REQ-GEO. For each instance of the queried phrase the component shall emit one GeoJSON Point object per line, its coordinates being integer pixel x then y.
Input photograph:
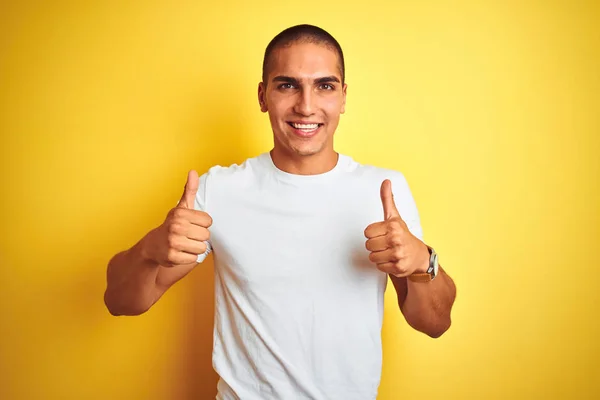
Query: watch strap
{"type": "Point", "coordinates": [421, 277]}
{"type": "Point", "coordinates": [430, 274]}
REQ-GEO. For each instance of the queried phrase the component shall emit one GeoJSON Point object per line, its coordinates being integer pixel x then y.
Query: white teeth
{"type": "Point", "coordinates": [305, 126]}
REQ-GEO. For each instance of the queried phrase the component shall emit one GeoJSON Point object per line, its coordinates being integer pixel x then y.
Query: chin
{"type": "Point", "coordinates": [306, 153]}
{"type": "Point", "coordinates": [306, 150]}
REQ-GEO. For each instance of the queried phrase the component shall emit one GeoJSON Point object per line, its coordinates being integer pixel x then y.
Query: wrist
{"type": "Point", "coordinates": [423, 260]}
{"type": "Point", "coordinates": [432, 269]}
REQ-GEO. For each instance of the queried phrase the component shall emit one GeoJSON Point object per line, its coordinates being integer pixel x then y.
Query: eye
{"type": "Point", "coordinates": [326, 86]}
{"type": "Point", "coordinates": [285, 86]}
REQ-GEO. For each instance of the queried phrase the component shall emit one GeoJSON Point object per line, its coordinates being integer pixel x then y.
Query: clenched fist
{"type": "Point", "coordinates": [393, 247]}
{"type": "Point", "coordinates": [180, 239]}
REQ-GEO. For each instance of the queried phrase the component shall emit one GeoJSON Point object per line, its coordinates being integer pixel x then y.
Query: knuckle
{"type": "Point", "coordinates": [179, 212]}
{"type": "Point", "coordinates": [174, 227]}
{"type": "Point", "coordinates": [172, 255]}
{"type": "Point", "coordinates": [173, 242]}
{"type": "Point", "coordinates": [395, 239]}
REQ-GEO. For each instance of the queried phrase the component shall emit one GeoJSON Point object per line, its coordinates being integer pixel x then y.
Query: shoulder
{"type": "Point", "coordinates": [228, 179]}
{"type": "Point", "coordinates": [375, 175]}
{"type": "Point", "coordinates": [241, 171]}
{"type": "Point", "coordinates": [368, 178]}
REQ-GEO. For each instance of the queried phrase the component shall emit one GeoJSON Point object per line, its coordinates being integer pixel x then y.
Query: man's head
{"type": "Point", "coordinates": [302, 34]}
{"type": "Point", "coordinates": [303, 89]}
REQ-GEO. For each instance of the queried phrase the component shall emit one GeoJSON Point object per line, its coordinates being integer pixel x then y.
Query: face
{"type": "Point", "coordinates": [304, 97]}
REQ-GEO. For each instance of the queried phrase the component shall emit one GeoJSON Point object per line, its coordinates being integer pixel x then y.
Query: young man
{"type": "Point", "coordinates": [304, 239]}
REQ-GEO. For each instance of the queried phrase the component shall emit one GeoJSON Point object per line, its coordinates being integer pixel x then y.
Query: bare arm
{"type": "Point", "coordinates": [135, 282]}
{"type": "Point", "coordinates": [426, 306]}
{"type": "Point", "coordinates": [138, 277]}
{"type": "Point", "coordinates": [395, 250]}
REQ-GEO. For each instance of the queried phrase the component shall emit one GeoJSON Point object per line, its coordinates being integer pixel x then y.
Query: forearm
{"type": "Point", "coordinates": [427, 305]}
{"type": "Point", "coordinates": [131, 282]}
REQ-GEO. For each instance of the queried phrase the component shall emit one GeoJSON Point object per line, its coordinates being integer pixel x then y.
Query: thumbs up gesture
{"type": "Point", "coordinates": [394, 249]}
{"type": "Point", "coordinates": [180, 238]}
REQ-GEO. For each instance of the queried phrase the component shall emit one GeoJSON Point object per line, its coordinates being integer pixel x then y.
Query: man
{"type": "Point", "coordinates": [304, 239]}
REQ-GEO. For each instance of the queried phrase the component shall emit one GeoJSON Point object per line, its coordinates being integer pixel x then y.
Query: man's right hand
{"type": "Point", "coordinates": [180, 239]}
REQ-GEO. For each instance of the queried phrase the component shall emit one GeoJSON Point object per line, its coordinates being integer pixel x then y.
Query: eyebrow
{"type": "Point", "coordinates": [327, 79]}
{"type": "Point", "coordinates": [286, 79]}
{"type": "Point", "coordinates": [294, 81]}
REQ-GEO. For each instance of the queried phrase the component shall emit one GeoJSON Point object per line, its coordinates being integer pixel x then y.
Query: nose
{"type": "Point", "coordinates": [305, 103]}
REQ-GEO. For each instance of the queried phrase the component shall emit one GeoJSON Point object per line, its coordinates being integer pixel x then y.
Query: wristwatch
{"type": "Point", "coordinates": [432, 270]}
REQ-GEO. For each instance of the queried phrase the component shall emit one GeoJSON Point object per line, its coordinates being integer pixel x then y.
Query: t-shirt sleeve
{"type": "Point", "coordinates": [200, 204]}
{"type": "Point", "coordinates": [406, 205]}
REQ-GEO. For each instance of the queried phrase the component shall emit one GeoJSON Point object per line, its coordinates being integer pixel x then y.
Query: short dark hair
{"type": "Point", "coordinates": [303, 34]}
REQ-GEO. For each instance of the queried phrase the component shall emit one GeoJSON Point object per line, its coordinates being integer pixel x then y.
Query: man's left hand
{"type": "Point", "coordinates": [393, 247]}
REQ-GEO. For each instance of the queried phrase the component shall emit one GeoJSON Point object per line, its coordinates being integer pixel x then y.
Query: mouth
{"type": "Point", "coordinates": [305, 129]}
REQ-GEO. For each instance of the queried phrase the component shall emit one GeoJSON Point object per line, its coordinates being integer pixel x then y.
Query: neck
{"type": "Point", "coordinates": [297, 164]}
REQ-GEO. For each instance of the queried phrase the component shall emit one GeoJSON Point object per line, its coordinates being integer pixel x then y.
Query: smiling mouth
{"type": "Point", "coordinates": [305, 128]}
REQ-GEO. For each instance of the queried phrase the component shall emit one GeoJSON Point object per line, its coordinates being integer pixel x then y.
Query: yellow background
{"type": "Point", "coordinates": [490, 109]}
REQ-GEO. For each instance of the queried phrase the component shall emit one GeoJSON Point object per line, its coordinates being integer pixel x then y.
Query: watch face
{"type": "Point", "coordinates": [433, 264]}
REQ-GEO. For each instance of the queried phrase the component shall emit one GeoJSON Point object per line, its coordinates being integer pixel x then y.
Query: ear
{"type": "Point", "coordinates": [262, 97]}
{"type": "Point", "coordinates": [344, 99]}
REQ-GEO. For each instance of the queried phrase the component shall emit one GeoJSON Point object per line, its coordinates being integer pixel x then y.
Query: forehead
{"type": "Point", "coordinates": [304, 60]}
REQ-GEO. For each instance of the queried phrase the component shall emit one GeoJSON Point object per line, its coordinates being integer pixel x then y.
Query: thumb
{"type": "Point", "coordinates": [189, 191]}
{"type": "Point", "coordinates": [387, 199]}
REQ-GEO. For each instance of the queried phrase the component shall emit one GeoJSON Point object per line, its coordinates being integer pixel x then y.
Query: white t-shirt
{"type": "Point", "coordinates": [298, 304]}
